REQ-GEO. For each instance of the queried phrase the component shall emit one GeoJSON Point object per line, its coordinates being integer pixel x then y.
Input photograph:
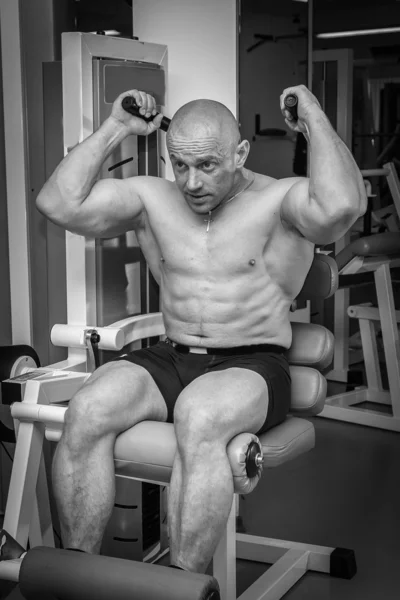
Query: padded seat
{"type": "Point", "coordinates": [147, 451]}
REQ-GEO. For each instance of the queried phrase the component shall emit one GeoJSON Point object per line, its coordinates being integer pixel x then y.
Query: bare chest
{"type": "Point", "coordinates": [240, 238]}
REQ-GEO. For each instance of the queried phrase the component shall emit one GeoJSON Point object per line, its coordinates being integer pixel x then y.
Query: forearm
{"type": "Point", "coordinates": [73, 179]}
{"type": "Point", "coordinates": [336, 183]}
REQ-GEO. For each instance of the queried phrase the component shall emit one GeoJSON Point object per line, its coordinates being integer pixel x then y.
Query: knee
{"type": "Point", "coordinates": [195, 422]}
{"type": "Point", "coordinates": [84, 419]}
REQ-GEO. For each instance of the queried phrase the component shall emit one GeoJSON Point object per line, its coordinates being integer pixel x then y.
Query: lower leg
{"type": "Point", "coordinates": [84, 489]}
{"type": "Point", "coordinates": [200, 500]}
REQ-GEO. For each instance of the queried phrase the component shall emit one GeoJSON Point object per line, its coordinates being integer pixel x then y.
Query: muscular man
{"type": "Point", "coordinates": [230, 250]}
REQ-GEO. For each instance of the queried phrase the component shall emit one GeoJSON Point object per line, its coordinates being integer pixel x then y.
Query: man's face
{"type": "Point", "coordinates": [204, 170]}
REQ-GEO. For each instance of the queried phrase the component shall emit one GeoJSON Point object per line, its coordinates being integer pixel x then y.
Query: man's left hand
{"type": "Point", "coordinates": [306, 105]}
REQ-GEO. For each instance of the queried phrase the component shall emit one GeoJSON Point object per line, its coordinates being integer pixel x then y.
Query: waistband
{"type": "Point", "coordinates": [236, 350]}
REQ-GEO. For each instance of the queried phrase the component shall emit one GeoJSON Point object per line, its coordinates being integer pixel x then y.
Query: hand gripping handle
{"type": "Point", "coordinates": [129, 104]}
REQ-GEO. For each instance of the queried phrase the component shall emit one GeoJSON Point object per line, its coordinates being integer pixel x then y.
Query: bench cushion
{"type": "Point", "coordinates": [147, 451]}
{"type": "Point", "coordinates": [287, 441]}
{"type": "Point", "coordinates": [312, 345]}
{"type": "Point", "coordinates": [308, 391]}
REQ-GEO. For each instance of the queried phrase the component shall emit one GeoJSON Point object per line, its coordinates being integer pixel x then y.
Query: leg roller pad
{"type": "Point", "coordinates": [51, 574]}
{"type": "Point", "coordinates": [343, 563]}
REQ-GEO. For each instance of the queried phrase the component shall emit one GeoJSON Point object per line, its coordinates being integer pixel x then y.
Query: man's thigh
{"type": "Point", "coordinates": [115, 397]}
{"type": "Point", "coordinates": [223, 404]}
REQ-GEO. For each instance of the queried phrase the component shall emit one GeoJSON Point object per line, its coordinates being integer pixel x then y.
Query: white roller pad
{"type": "Point", "coordinates": [236, 451]}
{"type": "Point", "coordinates": [73, 336]}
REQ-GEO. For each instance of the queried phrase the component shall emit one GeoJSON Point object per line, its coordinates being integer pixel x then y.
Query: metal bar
{"type": "Point", "coordinates": [374, 172]}
{"type": "Point", "coordinates": [342, 407]}
{"type": "Point", "coordinates": [9, 569]}
{"type": "Point", "coordinates": [390, 333]}
{"type": "Point", "coordinates": [23, 481]}
{"type": "Point", "coordinates": [394, 185]}
{"type": "Point", "coordinates": [269, 550]}
{"type": "Point", "coordinates": [344, 129]}
{"type": "Point", "coordinates": [371, 356]}
{"type": "Point", "coordinates": [39, 413]}
{"type": "Point", "coordinates": [368, 312]}
{"type": "Point", "coordinates": [41, 529]}
{"type": "Point", "coordinates": [279, 578]}
{"type": "Point", "coordinates": [224, 559]}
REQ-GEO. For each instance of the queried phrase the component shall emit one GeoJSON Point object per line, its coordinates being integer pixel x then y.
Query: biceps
{"type": "Point", "coordinates": [302, 212]}
{"type": "Point", "coordinates": [112, 208]}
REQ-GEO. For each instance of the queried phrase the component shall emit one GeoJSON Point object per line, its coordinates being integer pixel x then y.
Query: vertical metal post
{"type": "Point", "coordinates": [344, 129]}
{"type": "Point", "coordinates": [390, 333]}
{"type": "Point", "coordinates": [344, 60]}
{"type": "Point", "coordinates": [224, 560]}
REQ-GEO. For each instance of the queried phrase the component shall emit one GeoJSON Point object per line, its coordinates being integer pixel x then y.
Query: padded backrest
{"type": "Point", "coordinates": [322, 279]}
{"type": "Point", "coordinates": [312, 346]}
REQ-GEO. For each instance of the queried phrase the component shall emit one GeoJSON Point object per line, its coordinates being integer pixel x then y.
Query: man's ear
{"type": "Point", "coordinates": [242, 152]}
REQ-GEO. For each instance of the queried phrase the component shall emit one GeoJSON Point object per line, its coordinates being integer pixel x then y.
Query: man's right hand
{"type": "Point", "coordinates": [135, 125]}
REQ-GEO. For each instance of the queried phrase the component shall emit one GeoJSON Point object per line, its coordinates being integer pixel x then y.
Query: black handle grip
{"type": "Point", "coordinates": [129, 104]}
{"type": "Point", "coordinates": [291, 102]}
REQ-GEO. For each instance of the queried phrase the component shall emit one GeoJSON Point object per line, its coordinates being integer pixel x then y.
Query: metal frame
{"type": "Point", "coordinates": [344, 407]}
{"type": "Point", "coordinates": [78, 51]}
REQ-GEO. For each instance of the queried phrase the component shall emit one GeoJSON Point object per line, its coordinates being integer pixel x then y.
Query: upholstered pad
{"type": "Point", "coordinates": [308, 391]}
{"type": "Point", "coordinates": [322, 278]}
{"type": "Point", "coordinates": [147, 450]}
{"type": "Point", "coordinates": [379, 244]}
{"type": "Point", "coordinates": [287, 441]}
{"type": "Point", "coordinates": [312, 345]}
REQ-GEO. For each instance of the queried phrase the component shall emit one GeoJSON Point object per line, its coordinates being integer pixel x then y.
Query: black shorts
{"type": "Point", "coordinates": [173, 368]}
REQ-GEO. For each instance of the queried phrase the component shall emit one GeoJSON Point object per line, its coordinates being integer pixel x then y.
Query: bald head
{"type": "Point", "coordinates": [206, 153]}
{"type": "Point", "coordinates": [204, 119]}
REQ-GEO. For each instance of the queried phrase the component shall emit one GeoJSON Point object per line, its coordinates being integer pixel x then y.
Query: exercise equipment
{"type": "Point", "coordinates": [14, 362]}
{"type": "Point", "coordinates": [146, 451]}
{"type": "Point", "coordinates": [53, 574]}
{"type": "Point", "coordinates": [129, 104]}
{"type": "Point", "coordinates": [372, 256]}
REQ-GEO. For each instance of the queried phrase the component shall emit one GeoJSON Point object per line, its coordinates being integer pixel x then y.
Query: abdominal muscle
{"type": "Point", "coordinates": [225, 313]}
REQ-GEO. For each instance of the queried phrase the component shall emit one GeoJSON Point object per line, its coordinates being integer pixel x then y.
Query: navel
{"type": "Point", "coordinates": [252, 262]}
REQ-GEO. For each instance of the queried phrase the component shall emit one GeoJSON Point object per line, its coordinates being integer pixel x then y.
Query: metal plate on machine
{"type": "Point", "coordinates": [147, 78]}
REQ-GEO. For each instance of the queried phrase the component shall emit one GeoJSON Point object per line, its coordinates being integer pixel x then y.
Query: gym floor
{"type": "Point", "coordinates": [344, 493]}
